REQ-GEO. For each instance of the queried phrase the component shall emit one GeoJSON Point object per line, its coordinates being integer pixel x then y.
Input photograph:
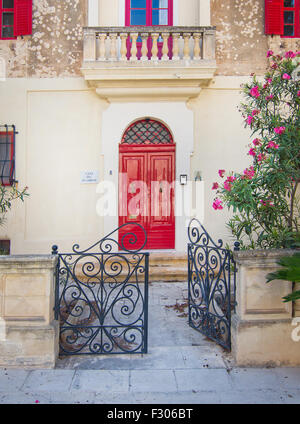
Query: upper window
{"type": "Point", "coordinates": [149, 12]}
{"type": "Point", "coordinates": [283, 17]}
{"type": "Point", "coordinates": [15, 18]}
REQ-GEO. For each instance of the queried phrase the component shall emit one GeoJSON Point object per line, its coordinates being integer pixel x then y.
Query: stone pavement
{"type": "Point", "coordinates": [182, 367]}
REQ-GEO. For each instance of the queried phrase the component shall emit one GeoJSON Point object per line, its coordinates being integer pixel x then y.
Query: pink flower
{"type": "Point", "coordinates": [267, 203]}
{"type": "Point", "coordinates": [256, 142]}
{"type": "Point", "coordinates": [298, 94]}
{"type": "Point", "coordinates": [249, 172]}
{"type": "Point", "coordinates": [260, 157]}
{"type": "Point", "coordinates": [227, 186]}
{"type": "Point", "coordinates": [249, 120]}
{"type": "Point", "coordinates": [269, 80]}
{"type": "Point", "coordinates": [252, 152]}
{"type": "Point", "coordinates": [217, 204]}
{"type": "Point", "coordinates": [290, 54]}
{"type": "Point", "coordinates": [231, 179]}
{"type": "Point", "coordinates": [270, 53]}
{"type": "Point", "coordinates": [254, 92]}
{"type": "Point", "coordinates": [279, 130]}
{"type": "Point", "coordinates": [222, 172]}
{"type": "Point", "coordinates": [215, 186]}
{"type": "Point", "coordinates": [255, 112]}
{"type": "Point", "coordinates": [286, 76]}
{"type": "Point", "coordinates": [270, 97]}
{"type": "Point", "coordinates": [272, 145]}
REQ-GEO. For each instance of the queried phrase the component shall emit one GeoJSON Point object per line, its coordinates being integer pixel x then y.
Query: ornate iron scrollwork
{"type": "Point", "coordinates": [147, 131]}
{"type": "Point", "coordinates": [211, 286]}
{"type": "Point", "coordinates": [102, 295]}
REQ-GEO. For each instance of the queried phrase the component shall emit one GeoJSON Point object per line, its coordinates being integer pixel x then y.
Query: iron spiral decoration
{"type": "Point", "coordinates": [211, 285]}
{"type": "Point", "coordinates": [101, 296]}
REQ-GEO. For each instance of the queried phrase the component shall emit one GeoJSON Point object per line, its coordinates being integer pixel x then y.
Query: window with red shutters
{"type": "Point", "coordinates": [148, 12]}
{"type": "Point", "coordinates": [282, 17]}
{"type": "Point", "coordinates": [15, 18]}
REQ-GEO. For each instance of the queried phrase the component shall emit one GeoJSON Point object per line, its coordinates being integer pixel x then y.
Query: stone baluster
{"type": "Point", "coordinates": [165, 48]}
{"type": "Point", "coordinates": [175, 37]}
{"type": "Point", "coordinates": [113, 46]}
{"type": "Point", "coordinates": [102, 38]}
{"type": "Point", "coordinates": [186, 48]}
{"type": "Point", "coordinates": [197, 49]}
{"type": "Point", "coordinates": [209, 46]}
{"type": "Point", "coordinates": [144, 46]}
{"type": "Point", "coordinates": [123, 49]}
{"type": "Point", "coordinates": [89, 48]}
{"type": "Point", "coordinates": [134, 37]}
{"type": "Point", "coordinates": [154, 50]}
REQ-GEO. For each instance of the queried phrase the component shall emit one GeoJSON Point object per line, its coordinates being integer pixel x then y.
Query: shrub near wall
{"type": "Point", "coordinates": [264, 199]}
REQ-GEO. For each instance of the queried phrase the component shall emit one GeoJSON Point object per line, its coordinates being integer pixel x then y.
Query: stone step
{"type": "Point", "coordinates": [168, 267]}
{"type": "Point", "coordinates": [160, 274]}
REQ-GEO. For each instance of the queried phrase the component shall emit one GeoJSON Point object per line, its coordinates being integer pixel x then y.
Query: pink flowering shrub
{"type": "Point", "coordinates": [264, 197]}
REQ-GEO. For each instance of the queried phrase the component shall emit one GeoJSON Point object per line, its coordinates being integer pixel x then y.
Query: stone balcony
{"type": "Point", "coordinates": [160, 61]}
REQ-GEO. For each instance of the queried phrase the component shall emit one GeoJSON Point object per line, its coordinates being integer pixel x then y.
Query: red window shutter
{"type": "Point", "coordinates": [274, 17]}
{"type": "Point", "coordinates": [23, 17]}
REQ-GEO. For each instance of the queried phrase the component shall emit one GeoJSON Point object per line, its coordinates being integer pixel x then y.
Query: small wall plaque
{"type": "Point", "coordinates": [89, 177]}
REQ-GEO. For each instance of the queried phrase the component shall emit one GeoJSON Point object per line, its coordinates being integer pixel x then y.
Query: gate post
{"type": "Point", "coordinates": [262, 327]}
{"type": "Point", "coordinates": [29, 333]}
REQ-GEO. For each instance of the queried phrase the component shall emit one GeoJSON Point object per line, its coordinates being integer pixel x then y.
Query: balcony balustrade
{"type": "Point", "coordinates": [149, 44]}
{"type": "Point", "coordinates": [137, 57]}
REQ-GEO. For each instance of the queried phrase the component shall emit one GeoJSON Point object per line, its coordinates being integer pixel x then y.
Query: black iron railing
{"type": "Point", "coordinates": [102, 295]}
{"type": "Point", "coordinates": [211, 285]}
{"type": "Point", "coordinates": [7, 154]}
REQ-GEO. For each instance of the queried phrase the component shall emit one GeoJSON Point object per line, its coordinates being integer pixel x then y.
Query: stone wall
{"type": "Point", "coordinates": [28, 330]}
{"type": "Point", "coordinates": [265, 330]}
{"type": "Point", "coordinates": [55, 48]}
{"type": "Point", "coordinates": [241, 45]}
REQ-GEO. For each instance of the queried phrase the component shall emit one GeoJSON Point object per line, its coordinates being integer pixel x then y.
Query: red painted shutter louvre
{"type": "Point", "coordinates": [23, 17]}
{"type": "Point", "coordinates": [274, 17]}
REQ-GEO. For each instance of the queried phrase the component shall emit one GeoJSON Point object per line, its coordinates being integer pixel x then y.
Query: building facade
{"type": "Point", "coordinates": [117, 102]}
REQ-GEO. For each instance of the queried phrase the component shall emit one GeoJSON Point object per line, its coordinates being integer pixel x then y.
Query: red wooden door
{"type": "Point", "coordinates": [147, 183]}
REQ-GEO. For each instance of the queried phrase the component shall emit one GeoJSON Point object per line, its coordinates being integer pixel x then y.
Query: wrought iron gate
{"type": "Point", "coordinates": [102, 295]}
{"type": "Point", "coordinates": [211, 285]}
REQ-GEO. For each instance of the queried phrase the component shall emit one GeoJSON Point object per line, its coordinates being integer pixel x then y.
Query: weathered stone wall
{"type": "Point", "coordinates": [241, 45]}
{"type": "Point", "coordinates": [55, 48]}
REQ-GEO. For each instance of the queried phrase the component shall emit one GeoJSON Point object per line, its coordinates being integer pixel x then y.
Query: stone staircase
{"type": "Point", "coordinates": [168, 267]}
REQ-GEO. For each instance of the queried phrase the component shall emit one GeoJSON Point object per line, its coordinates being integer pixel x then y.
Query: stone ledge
{"type": "Point", "coordinates": [259, 257]}
{"type": "Point", "coordinates": [28, 261]}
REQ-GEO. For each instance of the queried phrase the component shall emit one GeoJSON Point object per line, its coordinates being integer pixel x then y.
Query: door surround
{"type": "Point", "coordinates": [147, 180]}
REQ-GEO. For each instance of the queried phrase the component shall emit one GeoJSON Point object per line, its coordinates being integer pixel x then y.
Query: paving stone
{"type": "Point", "coordinates": [289, 377]}
{"type": "Point", "coordinates": [12, 380]}
{"type": "Point", "coordinates": [159, 398]}
{"type": "Point", "coordinates": [291, 396]}
{"type": "Point", "coordinates": [251, 397]}
{"type": "Point", "coordinates": [49, 381]}
{"type": "Point", "coordinates": [101, 381]}
{"type": "Point", "coordinates": [202, 380]}
{"type": "Point", "coordinates": [149, 381]}
{"type": "Point", "coordinates": [202, 357]}
{"type": "Point", "coordinates": [254, 378]}
{"type": "Point", "coordinates": [47, 398]}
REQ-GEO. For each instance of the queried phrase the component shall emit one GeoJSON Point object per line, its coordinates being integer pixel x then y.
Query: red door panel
{"type": "Point", "coordinates": [161, 228]}
{"type": "Point", "coordinates": [133, 196]}
{"type": "Point", "coordinates": [146, 192]}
